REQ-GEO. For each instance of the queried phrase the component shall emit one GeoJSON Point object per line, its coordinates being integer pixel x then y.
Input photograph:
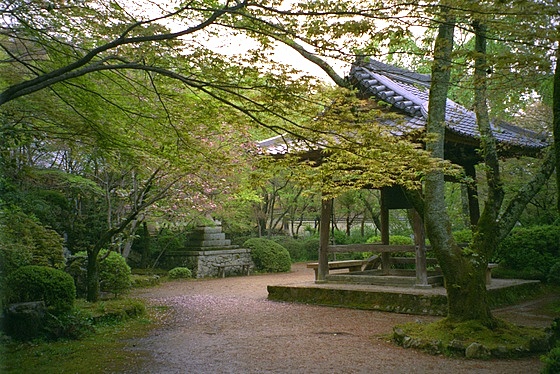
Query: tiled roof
{"type": "Point", "coordinates": [408, 92]}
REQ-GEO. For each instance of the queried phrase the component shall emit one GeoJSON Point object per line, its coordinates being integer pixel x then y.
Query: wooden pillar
{"type": "Point", "coordinates": [420, 243]}
{"type": "Point", "coordinates": [324, 240]}
{"type": "Point", "coordinates": [474, 208]}
{"type": "Point", "coordinates": [384, 218]}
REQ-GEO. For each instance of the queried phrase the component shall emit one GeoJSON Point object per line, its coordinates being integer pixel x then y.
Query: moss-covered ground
{"type": "Point", "coordinates": [472, 339]}
{"type": "Point", "coordinates": [102, 350]}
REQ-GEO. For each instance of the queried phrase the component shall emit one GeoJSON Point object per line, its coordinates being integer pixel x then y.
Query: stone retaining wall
{"type": "Point", "coordinates": [205, 263]}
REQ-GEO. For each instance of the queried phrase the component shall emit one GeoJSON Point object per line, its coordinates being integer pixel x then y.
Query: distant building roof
{"type": "Point", "coordinates": [407, 92]}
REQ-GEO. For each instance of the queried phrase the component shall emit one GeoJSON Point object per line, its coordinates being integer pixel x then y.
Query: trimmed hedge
{"type": "Point", "coordinates": [529, 252]}
{"type": "Point", "coordinates": [40, 283]}
{"type": "Point", "coordinates": [180, 272]}
{"type": "Point", "coordinates": [268, 255]}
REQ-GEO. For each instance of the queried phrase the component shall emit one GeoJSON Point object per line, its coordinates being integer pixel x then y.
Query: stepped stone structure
{"type": "Point", "coordinates": [208, 253]}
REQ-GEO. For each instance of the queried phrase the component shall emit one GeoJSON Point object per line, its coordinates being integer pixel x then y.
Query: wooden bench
{"type": "Point", "coordinates": [222, 269]}
{"type": "Point", "coordinates": [351, 265]}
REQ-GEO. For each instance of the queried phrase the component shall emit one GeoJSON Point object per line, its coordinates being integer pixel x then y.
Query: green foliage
{"type": "Point", "coordinates": [75, 324]}
{"type": "Point", "coordinates": [393, 240]}
{"type": "Point", "coordinates": [144, 280]}
{"type": "Point", "coordinates": [114, 273]}
{"type": "Point", "coordinates": [24, 241]}
{"type": "Point", "coordinates": [530, 252]}
{"type": "Point", "coordinates": [268, 256]}
{"type": "Point", "coordinates": [551, 361]}
{"type": "Point", "coordinates": [463, 236]}
{"type": "Point", "coordinates": [180, 272]}
{"type": "Point", "coordinates": [113, 311]}
{"type": "Point", "coordinates": [453, 338]}
{"type": "Point", "coordinates": [34, 283]}
{"type": "Point", "coordinates": [554, 274]}
{"type": "Point", "coordinates": [311, 247]}
{"type": "Point", "coordinates": [294, 246]}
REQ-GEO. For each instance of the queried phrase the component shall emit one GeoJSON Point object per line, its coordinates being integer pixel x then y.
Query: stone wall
{"type": "Point", "coordinates": [205, 263]}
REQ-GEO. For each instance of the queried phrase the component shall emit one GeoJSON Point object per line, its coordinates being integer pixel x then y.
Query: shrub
{"type": "Point", "coordinates": [74, 324]}
{"type": "Point", "coordinates": [180, 272]}
{"type": "Point", "coordinates": [311, 248]}
{"type": "Point", "coordinates": [554, 274]}
{"type": "Point", "coordinates": [24, 241]}
{"type": "Point", "coordinates": [143, 281]}
{"type": "Point", "coordinates": [530, 251]}
{"type": "Point", "coordinates": [393, 240]}
{"type": "Point", "coordinates": [114, 273]}
{"type": "Point", "coordinates": [463, 236]}
{"type": "Point", "coordinates": [34, 283]}
{"type": "Point", "coordinates": [268, 256]}
{"type": "Point", "coordinates": [551, 361]}
{"type": "Point", "coordinates": [294, 246]}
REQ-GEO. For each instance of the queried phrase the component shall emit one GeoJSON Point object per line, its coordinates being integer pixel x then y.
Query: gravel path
{"type": "Point", "coordinates": [229, 326]}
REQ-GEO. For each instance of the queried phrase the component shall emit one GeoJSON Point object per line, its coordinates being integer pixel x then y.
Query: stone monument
{"type": "Point", "coordinates": [208, 253]}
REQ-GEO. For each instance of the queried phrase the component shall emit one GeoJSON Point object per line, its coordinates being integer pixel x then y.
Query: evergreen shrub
{"type": "Point", "coordinates": [551, 361]}
{"type": "Point", "coordinates": [393, 240]}
{"type": "Point", "coordinates": [40, 283]}
{"type": "Point", "coordinates": [24, 241]}
{"type": "Point", "coordinates": [294, 246]}
{"type": "Point", "coordinates": [268, 255]}
{"type": "Point", "coordinates": [463, 236]}
{"type": "Point", "coordinates": [529, 252]}
{"type": "Point", "coordinates": [310, 246]}
{"type": "Point", "coordinates": [179, 272]}
{"type": "Point", "coordinates": [114, 273]}
{"type": "Point", "coordinates": [554, 274]}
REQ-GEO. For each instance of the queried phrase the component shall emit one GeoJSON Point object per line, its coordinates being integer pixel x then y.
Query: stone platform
{"type": "Point", "coordinates": [410, 300]}
{"type": "Point", "coordinates": [208, 253]}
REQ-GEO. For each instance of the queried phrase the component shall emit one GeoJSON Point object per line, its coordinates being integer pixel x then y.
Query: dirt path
{"type": "Point", "coordinates": [229, 326]}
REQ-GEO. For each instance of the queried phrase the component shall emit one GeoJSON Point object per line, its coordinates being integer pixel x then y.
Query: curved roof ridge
{"type": "Point", "coordinates": [397, 73]}
{"type": "Point", "coordinates": [409, 92]}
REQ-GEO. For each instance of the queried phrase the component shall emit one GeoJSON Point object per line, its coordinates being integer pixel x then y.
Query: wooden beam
{"type": "Point", "coordinates": [384, 216]}
{"type": "Point", "coordinates": [420, 242]}
{"type": "Point", "coordinates": [324, 239]}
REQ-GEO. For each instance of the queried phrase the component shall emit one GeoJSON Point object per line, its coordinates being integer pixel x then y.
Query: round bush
{"type": "Point", "coordinates": [294, 247]}
{"type": "Point", "coordinates": [40, 283]}
{"type": "Point", "coordinates": [180, 272]}
{"type": "Point", "coordinates": [114, 273]}
{"type": "Point", "coordinates": [268, 256]}
{"type": "Point", "coordinates": [311, 248]}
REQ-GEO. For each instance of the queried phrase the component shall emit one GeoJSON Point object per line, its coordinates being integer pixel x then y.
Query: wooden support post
{"type": "Point", "coordinates": [324, 240]}
{"type": "Point", "coordinates": [474, 208]}
{"type": "Point", "coordinates": [420, 243]}
{"type": "Point", "coordinates": [384, 218]}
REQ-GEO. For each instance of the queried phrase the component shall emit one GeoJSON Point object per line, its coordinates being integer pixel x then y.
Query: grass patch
{"type": "Point", "coordinates": [472, 339]}
{"type": "Point", "coordinates": [104, 350]}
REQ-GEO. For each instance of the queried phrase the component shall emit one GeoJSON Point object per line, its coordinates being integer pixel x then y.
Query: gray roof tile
{"type": "Point", "coordinates": [408, 91]}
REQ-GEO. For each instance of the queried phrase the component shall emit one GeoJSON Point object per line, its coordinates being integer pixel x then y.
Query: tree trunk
{"type": "Point", "coordinates": [92, 275]}
{"type": "Point", "coordinates": [464, 279]}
